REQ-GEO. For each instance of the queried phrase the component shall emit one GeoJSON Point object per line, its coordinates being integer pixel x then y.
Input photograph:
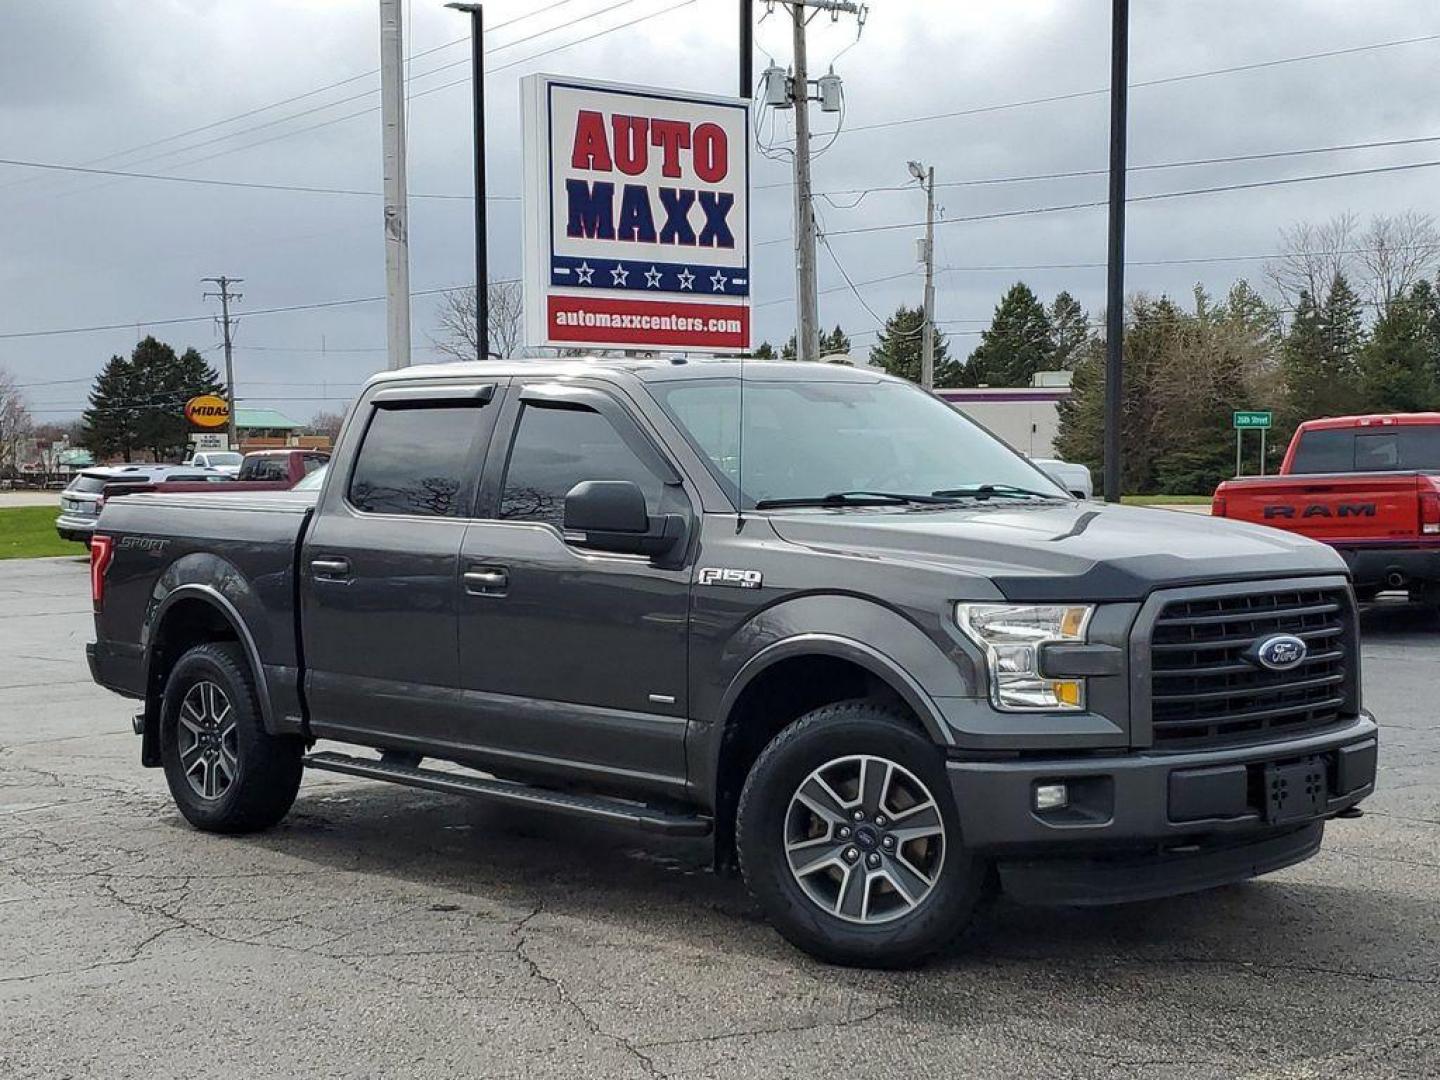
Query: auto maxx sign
{"type": "Point", "coordinates": [637, 217]}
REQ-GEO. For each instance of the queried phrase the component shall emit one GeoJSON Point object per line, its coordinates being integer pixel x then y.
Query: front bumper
{"type": "Point", "coordinates": [1130, 816]}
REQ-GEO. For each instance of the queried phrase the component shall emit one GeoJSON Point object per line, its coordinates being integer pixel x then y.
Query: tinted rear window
{"type": "Point", "coordinates": [87, 484]}
{"type": "Point", "coordinates": [416, 461]}
{"type": "Point", "coordinates": [1408, 448]}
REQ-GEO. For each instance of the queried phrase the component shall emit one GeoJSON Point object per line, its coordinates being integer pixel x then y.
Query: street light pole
{"type": "Point", "coordinates": [926, 176]}
{"type": "Point", "coordinates": [1115, 288]}
{"type": "Point", "coordinates": [477, 86]}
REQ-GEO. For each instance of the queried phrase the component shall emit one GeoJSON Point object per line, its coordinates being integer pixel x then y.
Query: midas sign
{"type": "Point", "coordinates": [208, 411]}
{"type": "Point", "coordinates": [636, 217]}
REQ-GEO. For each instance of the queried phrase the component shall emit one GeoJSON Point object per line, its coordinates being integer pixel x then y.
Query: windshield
{"type": "Point", "coordinates": [313, 480]}
{"type": "Point", "coordinates": [220, 459]}
{"type": "Point", "coordinates": [806, 440]}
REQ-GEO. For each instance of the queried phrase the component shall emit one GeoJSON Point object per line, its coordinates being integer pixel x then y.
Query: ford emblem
{"type": "Point", "coordinates": [1281, 652]}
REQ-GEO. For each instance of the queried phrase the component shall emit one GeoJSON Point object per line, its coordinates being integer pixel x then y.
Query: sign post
{"type": "Point", "coordinates": [637, 218]}
{"type": "Point", "coordinates": [1247, 420]}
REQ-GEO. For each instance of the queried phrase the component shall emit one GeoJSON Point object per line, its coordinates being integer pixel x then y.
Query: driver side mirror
{"type": "Point", "coordinates": [611, 515]}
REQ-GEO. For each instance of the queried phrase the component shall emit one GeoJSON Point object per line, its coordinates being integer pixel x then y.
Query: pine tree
{"type": "Point", "coordinates": [1017, 344]}
{"type": "Point", "coordinates": [163, 383]}
{"type": "Point", "coordinates": [898, 350]}
{"type": "Point", "coordinates": [1069, 332]}
{"type": "Point", "coordinates": [837, 342]}
{"type": "Point", "coordinates": [110, 419]}
{"type": "Point", "coordinates": [1398, 363]}
{"type": "Point", "coordinates": [1344, 333]}
{"type": "Point", "coordinates": [765, 351]}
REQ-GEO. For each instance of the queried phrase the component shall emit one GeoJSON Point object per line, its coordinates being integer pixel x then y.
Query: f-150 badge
{"type": "Point", "coordinates": [735, 579]}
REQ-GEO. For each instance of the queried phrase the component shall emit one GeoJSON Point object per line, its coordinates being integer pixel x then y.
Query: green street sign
{"type": "Point", "coordinates": [1252, 420]}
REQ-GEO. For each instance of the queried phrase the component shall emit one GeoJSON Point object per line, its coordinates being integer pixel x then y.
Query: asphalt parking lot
{"type": "Point", "coordinates": [382, 931]}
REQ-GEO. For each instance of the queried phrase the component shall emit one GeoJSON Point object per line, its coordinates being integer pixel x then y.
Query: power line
{"type": "Point", "coordinates": [1033, 210]}
{"type": "Point", "coordinates": [423, 93]}
{"type": "Point", "coordinates": [367, 93]}
{"type": "Point", "coordinates": [306, 189]}
{"type": "Point", "coordinates": [1073, 173]}
{"type": "Point", "coordinates": [1165, 80]}
{"type": "Point", "coordinates": [308, 93]}
{"type": "Point", "coordinates": [129, 323]}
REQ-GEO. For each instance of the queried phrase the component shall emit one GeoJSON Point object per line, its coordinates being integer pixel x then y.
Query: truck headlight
{"type": "Point", "coordinates": [1011, 636]}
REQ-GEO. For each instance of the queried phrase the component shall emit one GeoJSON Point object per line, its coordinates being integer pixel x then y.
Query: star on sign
{"type": "Point", "coordinates": [584, 272]}
{"type": "Point", "coordinates": [687, 279]}
{"type": "Point", "coordinates": [619, 274]}
{"type": "Point", "coordinates": [717, 282]}
{"type": "Point", "coordinates": [652, 278]}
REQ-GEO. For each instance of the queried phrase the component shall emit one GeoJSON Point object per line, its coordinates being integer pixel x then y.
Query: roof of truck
{"type": "Point", "coordinates": [648, 370]}
{"type": "Point", "coordinates": [1371, 420]}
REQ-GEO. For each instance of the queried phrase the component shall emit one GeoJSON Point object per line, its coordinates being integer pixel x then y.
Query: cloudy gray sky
{"type": "Point", "coordinates": [112, 83]}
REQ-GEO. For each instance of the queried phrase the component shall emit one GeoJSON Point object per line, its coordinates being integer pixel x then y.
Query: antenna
{"type": "Point", "coordinates": [740, 455]}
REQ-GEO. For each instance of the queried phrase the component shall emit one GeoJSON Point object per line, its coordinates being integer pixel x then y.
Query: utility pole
{"type": "Point", "coordinates": [807, 335]}
{"type": "Point", "coordinates": [797, 96]}
{"type": "Point", "coordinates": [477, 84]}
{"type": "Point", "coordinates": [927, 334]}
{"type": "Point", "coordinates": [1115, 286]}
{"type": "Point", "coordinates": [397, 236]}
{"type": "Point", "coordinates": [224, 295]}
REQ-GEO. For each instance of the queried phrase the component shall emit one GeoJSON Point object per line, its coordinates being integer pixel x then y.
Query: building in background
{"type": "Point", "coordinates": [270, 429]}
{"type": "Point", "coordinates": [1026, 417]}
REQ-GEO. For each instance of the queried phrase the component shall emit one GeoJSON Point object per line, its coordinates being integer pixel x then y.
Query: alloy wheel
{"type": "Point", "coordinates": [209, 753]}
{"type": "Point", "coordinates": [864, 839]}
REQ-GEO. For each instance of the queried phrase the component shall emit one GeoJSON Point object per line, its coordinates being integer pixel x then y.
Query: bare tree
{"type": "Point", "coordinates": [15, 423]}
{"type": "Point", "coordinates": [1312, 255]}
{"type": "Point", "coordinates": [456, 332]}
{"type": "Point", "coordinates": [325, 422]}
{"type": "Point", "coordinates": [1397, 251]}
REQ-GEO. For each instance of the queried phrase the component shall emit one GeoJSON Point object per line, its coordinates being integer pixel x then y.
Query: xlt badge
{"type": "Point", "coordinates": [735, 579]}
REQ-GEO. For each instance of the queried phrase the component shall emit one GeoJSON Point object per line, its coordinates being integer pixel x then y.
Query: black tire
{"type": "Point", "coordinates": [266, 769]}
{"type": "Point", "coordinates": [819, 737]}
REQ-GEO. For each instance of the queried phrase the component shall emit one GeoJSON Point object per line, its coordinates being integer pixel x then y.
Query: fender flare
{"type": "Point", "coordinates": [879, 664]}
{"type": "Point", "coordinates": [220, 602]}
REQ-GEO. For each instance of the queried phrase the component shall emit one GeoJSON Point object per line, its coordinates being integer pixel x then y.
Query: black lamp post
{"type": "Point", "coordinates": [477, 80]}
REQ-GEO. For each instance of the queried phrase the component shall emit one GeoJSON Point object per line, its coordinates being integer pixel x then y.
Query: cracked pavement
{"type": "Point", "coordinates": [382, 931]}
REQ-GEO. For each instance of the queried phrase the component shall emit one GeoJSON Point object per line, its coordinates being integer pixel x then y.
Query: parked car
{"type": "Point", "coordinates": [83, 498]}
{"type": "Point", "coordinates": [867, 649]}
{"type": "Point", "coordinates": [1369, 486]}
{"type": "Point", "coordinates": [281, 467]}
{"type": "Point", "coordinates": [1072, 477]}
{"type": "Point", "coordinates": [225, 461]}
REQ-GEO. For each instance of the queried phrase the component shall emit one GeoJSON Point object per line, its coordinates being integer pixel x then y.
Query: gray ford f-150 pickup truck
{"type": "Point", "coordinates": [881, 660]}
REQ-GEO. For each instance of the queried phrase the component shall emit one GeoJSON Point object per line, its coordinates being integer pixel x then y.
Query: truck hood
{"type": "Point", "coordinates": [1074, 551]}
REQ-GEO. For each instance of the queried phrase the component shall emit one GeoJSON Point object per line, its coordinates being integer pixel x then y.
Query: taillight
{"type": "Point", "coordinates": [101, 549]}
{"type": "Point", "coordinates": [1430, 512]}
{"type": "Point", "coordinates": [1217, 506]}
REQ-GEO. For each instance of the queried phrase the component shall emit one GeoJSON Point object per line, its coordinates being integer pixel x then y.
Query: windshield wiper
{"type": "Point", "coordinates": [850, 498]}
{"type": "Point", "coordinates": [985, 491]}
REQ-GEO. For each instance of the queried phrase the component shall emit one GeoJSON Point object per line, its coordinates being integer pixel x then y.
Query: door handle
{"type": "Point", "coordinates": [330, 567]}
{"type": "Point", "coordinates": [486, 580]}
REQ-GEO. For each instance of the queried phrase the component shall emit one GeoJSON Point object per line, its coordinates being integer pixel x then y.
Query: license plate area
{"type": "Point", "coordinates": [1296, 790]}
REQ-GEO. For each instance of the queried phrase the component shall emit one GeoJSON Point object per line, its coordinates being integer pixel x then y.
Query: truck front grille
{"type": "Point", "coordinates": [1204, 690]}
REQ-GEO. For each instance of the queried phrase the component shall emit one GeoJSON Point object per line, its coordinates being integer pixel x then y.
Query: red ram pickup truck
{"type": "Point", "coordinates": [1369, 486]}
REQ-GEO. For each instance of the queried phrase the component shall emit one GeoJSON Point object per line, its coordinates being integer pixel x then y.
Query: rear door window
{"type": "Point", "coordinates": [420, 460]}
